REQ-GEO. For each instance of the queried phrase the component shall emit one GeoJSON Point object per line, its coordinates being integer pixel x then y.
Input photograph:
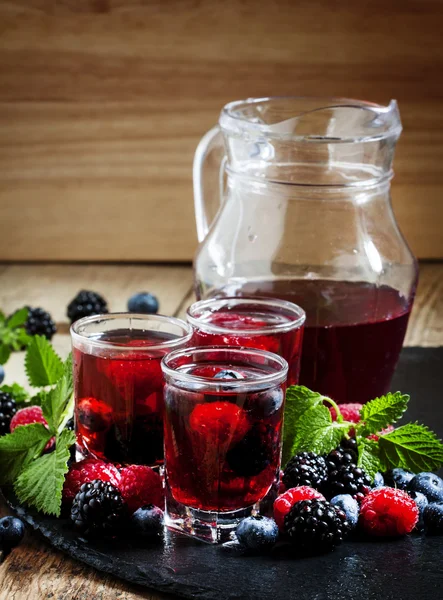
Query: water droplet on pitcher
{"type": "Point", "coordinates": [252, 237]}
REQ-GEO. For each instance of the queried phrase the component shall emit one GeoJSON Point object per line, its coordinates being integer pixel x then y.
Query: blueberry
{"type": "Point", "coordinates": [257, 533]}
{"type": "Point", "coordinates": [2, 373]}
{"type": "Point", "coordinates": [422, 502]}
{"type": "Point", "coordinates": [378, 481]}
{"type": "Point", "coordinates": [265, 404]}
{"type": "Point", "coordinates": [12, 531]}
{"type": "Point", "coordinates": [349, 506]}
{"type": "Point", "coordinates": [147, 521]}
{"type": "Point", "coordinates": [225, 374]}
{"type": "Point", "coordinates": [143, 302]}
{"type": "Point", "coordinates": [428, 484]}
{"type": "Point", "coordinates": [398, 478]}
{"type": "Point", "coordinates": [433, 519]}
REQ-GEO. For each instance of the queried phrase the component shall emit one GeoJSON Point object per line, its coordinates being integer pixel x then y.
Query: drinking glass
{"type": "Point", "coordinates": [266, 324]}
{"type": "Point", "coordinates": [118, 384]}
{"type": "Point", "coordinates": [223, 423]}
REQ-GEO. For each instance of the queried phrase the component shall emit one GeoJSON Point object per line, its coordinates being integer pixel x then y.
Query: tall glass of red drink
{"type": "Point", "coordinates": [118, 384]}
{"type": "Point", "coordinates": [223, 423]}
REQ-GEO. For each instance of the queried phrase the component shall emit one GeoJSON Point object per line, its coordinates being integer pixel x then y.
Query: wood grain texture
{"type": "Point", "coordinates": [34, 571]}
{"type": "Point", "coordinates": [102, 103]}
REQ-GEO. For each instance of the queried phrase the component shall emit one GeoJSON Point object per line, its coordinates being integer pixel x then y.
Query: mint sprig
{"type": "Point", "coordinates": [13, 334]}
{"type": "Point", "coordinates": [43, 365]}
{"type": "Point", "coordinates": [41, 482]}
{"type": "Point", "coordinates": [19, 448]}
{"type": "Point", "coordinates": [309, 427]}
{"type": "Point", "coordinates": [413, 447]}
{"type": "Point", "coordinates": [381, 412]}
{"type": "Point", "coordinates": [38, 477]}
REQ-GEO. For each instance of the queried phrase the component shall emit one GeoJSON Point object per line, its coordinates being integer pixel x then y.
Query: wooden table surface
{"type": "Point", "coordinates": [34, 570]}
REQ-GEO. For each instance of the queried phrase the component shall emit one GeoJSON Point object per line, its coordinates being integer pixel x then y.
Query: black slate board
{"type": "Point", "coordinates": [406, 569]}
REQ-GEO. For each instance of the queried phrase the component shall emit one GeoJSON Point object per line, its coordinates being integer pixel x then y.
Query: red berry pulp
{"type": "Point", "coordinates": [353, 334]}
{"type": "Point", "coordinates": [119, 400]}
{"type": "Point", "coordinates": [239, 320]}
{"type": "Point", "coordinates": [222, 447]}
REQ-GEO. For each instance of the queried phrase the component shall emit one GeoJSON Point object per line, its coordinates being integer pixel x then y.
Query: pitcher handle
{"type": "Point", "coordinates": [208, 198]}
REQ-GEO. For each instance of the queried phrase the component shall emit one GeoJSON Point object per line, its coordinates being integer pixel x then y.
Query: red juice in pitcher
{"type": "Point", "coordinates": [353, 334]}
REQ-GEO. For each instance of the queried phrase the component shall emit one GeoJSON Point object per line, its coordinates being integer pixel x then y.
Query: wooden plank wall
{"type": "Point", "coordinates": [102, 103]}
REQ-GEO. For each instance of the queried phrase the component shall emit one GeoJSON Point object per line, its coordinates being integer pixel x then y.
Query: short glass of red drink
{"type": "Point", "coordinates": [263, 323]}
{"type": "Point", "coordinates": [118, 384]}
{"type": "Point", "coordinates": [223, 424]}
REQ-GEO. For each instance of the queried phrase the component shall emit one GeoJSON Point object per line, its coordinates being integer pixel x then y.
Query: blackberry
{"type": "Point", "coordinates": [340, 456]}
{"type": "Point", "coordinates": [316, 526]}
{"type": "Point", "coordinates": [70, 424]}
{"type": "Point", "coordinates": [85, 304]}
{"type": "Point", "coordinates": [305, 468]}
{"type": "Point", "coordinates": [345, 454]}
{"type": "Point", "coordinates": [98, 509]}
{"type": "Point", "coordinates": [8, 408]}
{"type": "Point", "coordinates": [347, 479]}
{"type": "Point", "coordinates": [39, 322]}
{"type": "Point", "coordinates": [256, 451]}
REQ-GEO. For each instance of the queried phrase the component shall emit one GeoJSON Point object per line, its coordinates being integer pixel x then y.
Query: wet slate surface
{"type": "Point", "coordinates": [405, 569]}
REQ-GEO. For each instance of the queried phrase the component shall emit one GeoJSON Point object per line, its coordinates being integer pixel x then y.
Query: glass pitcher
{"type": "Point", "coordinates": [292, 200]}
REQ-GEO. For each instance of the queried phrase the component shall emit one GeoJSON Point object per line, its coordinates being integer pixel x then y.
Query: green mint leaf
{"type": "Point", "coordinates": [19, 448]}
{"type": "Point", "coordinates": [40, 484]}
{"type": "Point", "coordinates": [22, 339]}
{"type": "Point", "coordinates": [39, 398]}
{"type": "Point", "coordinates": [298, 400]}
{"type": "Point", "coordinates": [18, 392]}
{"type": "Point", "coordinates": [5, 353]}
{"type": "Point", "coordinates": [413, 447]}
{"type": "Point", "coordinates": [316, 432]}
{"type": "Point", "coordinates": [368, 457]}
{"type": "Point", "coordinates": [2, 317]}
{"type": "Point", "coordinates": [17, 319]}
{"type": "Point", "coordinates": [42, 364]}
{"type": "Point", "coordinates": [381, 412]}
{"type": "Point", "coordinates": [58, 400]}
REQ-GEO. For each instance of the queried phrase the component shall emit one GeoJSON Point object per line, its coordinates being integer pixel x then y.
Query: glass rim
{"type": "Point", "coordinates": [231, 118]}
{"type": "Point", "coordinates": [229, 384]}
{"type": "Point", "coordinates": [293, 308]}
{"type": "Point", "coordinates": [96, 343]}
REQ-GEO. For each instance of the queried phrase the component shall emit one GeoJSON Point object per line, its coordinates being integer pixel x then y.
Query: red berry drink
{"type": "Point", "coordinates": [119, 384]}
{"type": "Point", "coordinates": [223, 424]}
{"type": "Point", "coordinates": [353, 334]}
{"type": "Point", "coordinates": [271, 325]}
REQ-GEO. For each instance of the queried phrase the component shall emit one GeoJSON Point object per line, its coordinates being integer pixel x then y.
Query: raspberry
{"type": "Point", "coordinates": [388, 512]}
{"type": "Point", "coordinates": [350, 412]}
{"type": "Point", "coordinates": [286, 501]}
{"type": "Point", "coordinates": [28, 415]}
{"type": "Point", "coordinates": [140, 485]}
{"type": "Point", "coordinates": [221, 421]}
{"type": "Point", "coordinates": [85, 471]}
{"type": "Point", "coordinates": [376, 436]}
